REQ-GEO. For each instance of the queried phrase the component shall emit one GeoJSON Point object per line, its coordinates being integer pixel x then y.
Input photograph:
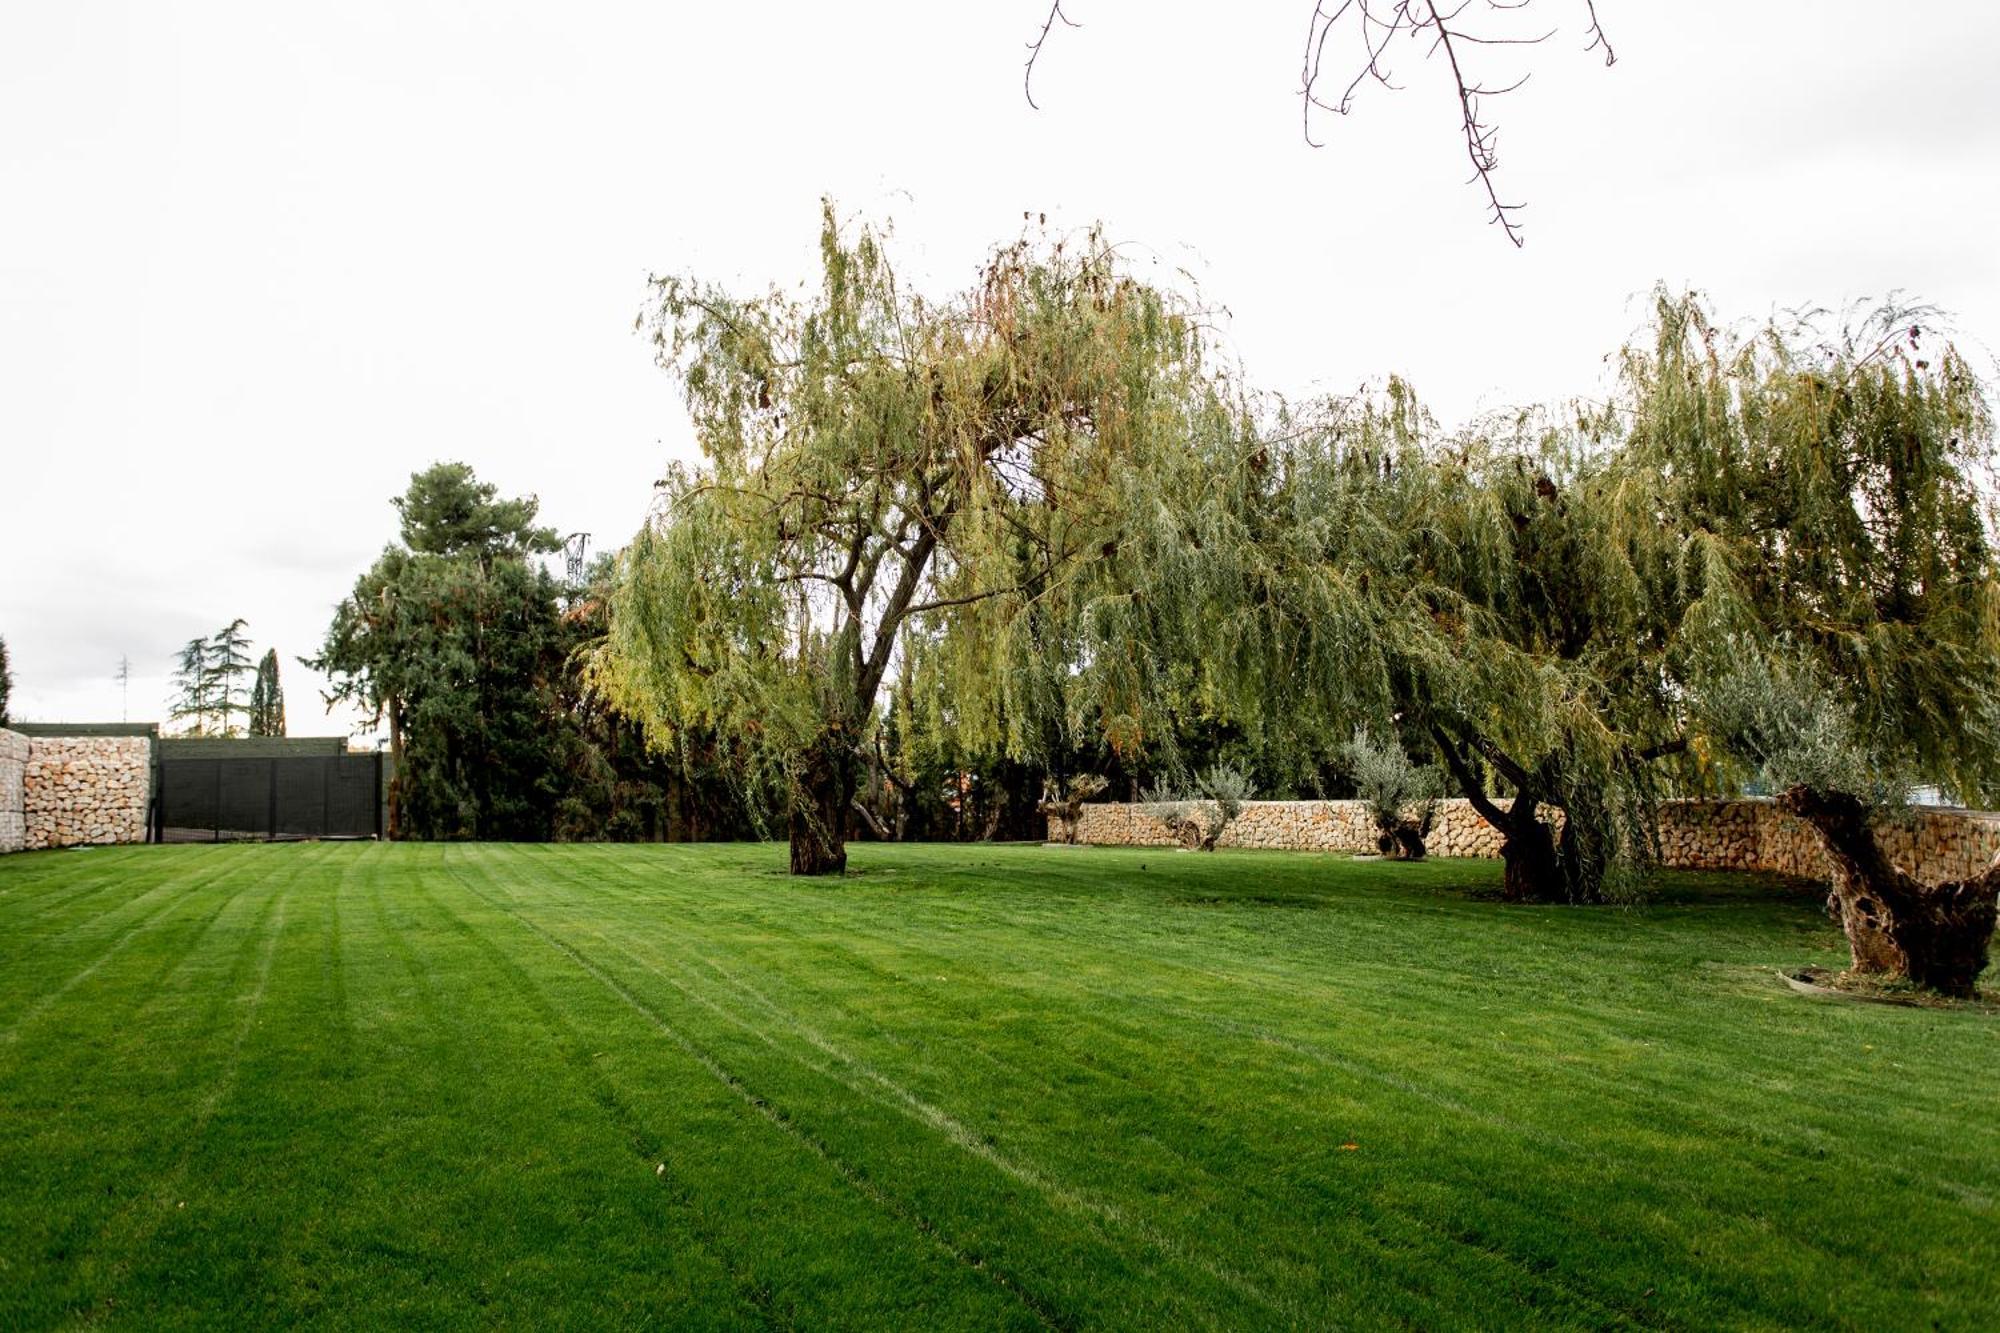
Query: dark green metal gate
{"type": "Point", "coordinates": [267, 798]}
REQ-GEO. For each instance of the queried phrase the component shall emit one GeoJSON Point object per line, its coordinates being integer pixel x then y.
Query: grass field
{"type": "Point", "coordinates": [966, 1087]}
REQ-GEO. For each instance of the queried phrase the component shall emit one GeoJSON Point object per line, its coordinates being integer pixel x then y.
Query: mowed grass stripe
{"type": "Point", "coordinates": [907, 1113]}
{"type": "Point", "coordinates": [963, 1087]}
{"type": "Point", "coordinates": [120, 1103]}
{"type": "Point", "coordinates": [759, 1132]}
{"type": "Point", "coordinates": [1550, 1287]}
{"type": "Point", "coordinates": [175, 918]}
{"type": "Point", "coordinates": [1674, 1153]}
{"type": "Point", "coordinates": [454, 1145]}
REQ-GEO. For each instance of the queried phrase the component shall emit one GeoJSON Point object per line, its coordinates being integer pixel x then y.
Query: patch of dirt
{"type": "Point", "coordinates": [1250, 900]}
{"type": "Point", "coordinates": [1824, 984]}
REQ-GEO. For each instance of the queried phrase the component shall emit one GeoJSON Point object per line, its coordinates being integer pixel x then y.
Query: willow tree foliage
{"type": "Point", "coordinates": [1502, 594]}
{"type": "Point", "coordinates": [879, 467]}
{"type": "Point", "coordinates": [1846, 642]}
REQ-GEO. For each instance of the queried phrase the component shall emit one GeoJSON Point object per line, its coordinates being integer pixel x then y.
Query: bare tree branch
{"type": "Point", "coordinates": [1035, 49]}
{"type": "Point", "coordinates": [1455, 31]}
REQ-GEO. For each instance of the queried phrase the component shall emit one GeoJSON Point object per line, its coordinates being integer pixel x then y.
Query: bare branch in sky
{"type": "Point", "coordinates": [1462, 34]}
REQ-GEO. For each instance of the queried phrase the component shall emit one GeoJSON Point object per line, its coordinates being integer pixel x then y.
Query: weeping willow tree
{"type": "Point", "coordinates": [1847, 635]}
{"type": "Point", "coordinates": [1503, 594]}
{"type": "Point", "coordinates": [875, 463]}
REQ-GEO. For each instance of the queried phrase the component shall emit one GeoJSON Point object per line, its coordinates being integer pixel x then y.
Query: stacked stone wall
{"type": "Point", "coordinates": [85, 790]}
{"type": "Point", "coordinates": [13, 807]}
{"type": "Point", "coordinates": [1694, 835]}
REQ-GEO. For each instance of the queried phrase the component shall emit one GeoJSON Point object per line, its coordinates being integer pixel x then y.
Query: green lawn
{"type": "Point", "coordinates": [964, 1087]}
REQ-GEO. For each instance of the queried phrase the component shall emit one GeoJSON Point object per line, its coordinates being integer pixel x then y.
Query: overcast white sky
{"type": "Point", "coordinates": [260, 261]}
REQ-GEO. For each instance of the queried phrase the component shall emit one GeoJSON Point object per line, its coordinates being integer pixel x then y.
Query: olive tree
{"type": "Point", "coordinates": [1401, 795]}
{"type": "Point", "coordinates": [874, 461]}
{"type": "Point", "coordinates": [1848, 619]}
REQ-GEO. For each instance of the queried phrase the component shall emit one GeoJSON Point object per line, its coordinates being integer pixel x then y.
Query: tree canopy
{"type": "Point", "coordinates": [877, 466]}
{"type": "Point", "coordinates": [267, 698]}
{"type": "Point", "coordinates": [452, 639]}
{"type": "Point", "coordinates": [1042, 514]}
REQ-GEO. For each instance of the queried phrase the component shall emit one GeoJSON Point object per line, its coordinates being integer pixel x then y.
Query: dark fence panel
{"type": "Point", "coordinates": [270, 797]}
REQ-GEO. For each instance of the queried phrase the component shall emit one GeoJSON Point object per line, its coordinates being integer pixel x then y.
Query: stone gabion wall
{"type": "Point", "coordinates": [13, 819]}
{"type": "Point", "coordinates": [79, 790]}
{"type": "Point", "coordinates": [1317, 826]}
{"type": "Point", "coordinates": [1694, 835]}
{"type": "Point", "coordinates": [1934, 845]}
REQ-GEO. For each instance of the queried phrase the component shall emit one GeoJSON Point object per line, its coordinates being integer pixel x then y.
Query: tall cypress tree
{"type": "Point", "coordinates": [6, 682]}
{"type": "Point", "coordinates": [267, 699]}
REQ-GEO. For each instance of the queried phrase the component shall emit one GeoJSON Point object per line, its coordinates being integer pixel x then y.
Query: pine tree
{"type": "Point", "coordinates": [229, 662]}
{"type": "Point", "coordinates": [193, 703]}
{"type": "Point", "coordinates": [267, 699]}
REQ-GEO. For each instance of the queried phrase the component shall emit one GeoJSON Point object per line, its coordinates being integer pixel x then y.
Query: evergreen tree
{"type": "Point", "coordinates": [267, 699]}
{"type": "Point", "coordinates": [192, 704]}
{"type": "Point", "coordinates": [6, 682]}
{"type": "Point", "coordinates": [231, 669]}
{"type": "Point", "coordinates": [453, 639]}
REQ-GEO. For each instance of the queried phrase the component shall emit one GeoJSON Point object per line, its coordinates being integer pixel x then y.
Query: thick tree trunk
{"type": "Point", "coordinates": [1530, 871]}
{"type": "Point", "coordinates": [819, 811]}
{"type": "Point", "coordinates": [1935, 935]}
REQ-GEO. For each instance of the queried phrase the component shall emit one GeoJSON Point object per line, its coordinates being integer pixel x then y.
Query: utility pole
{"type": "Point", "coordinates": [124, 688]}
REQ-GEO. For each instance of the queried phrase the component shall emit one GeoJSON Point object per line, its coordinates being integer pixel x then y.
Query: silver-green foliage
{"type": "Point", "coordinates": [1396, 789]}
{"type": "Point", "coordinates": [1200, 814]}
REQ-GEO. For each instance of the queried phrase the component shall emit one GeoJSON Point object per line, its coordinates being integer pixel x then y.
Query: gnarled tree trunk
{"type": "Point", "coordinates": [1530, 870]}
{"type": "Point", "coordinates": [1935, 935]}
{"type": "Point", "coordinates": [820, 808]}
{"type": "Point", "coordinates": [1401, 841]}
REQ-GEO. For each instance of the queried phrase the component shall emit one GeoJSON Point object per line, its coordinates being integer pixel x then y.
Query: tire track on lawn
{"type": "Point", "coordinates": [1506, 1259]}
{"type": "Point", "coordinates": [775, 1115]}
{"type": "Point", "coordinates": [1258, 978]}
{"type": "Point", "coordinates": [143, 1216]}
{"type": "Point", "coordinates": [41, 1006]}
{"type": "Point", "coordinates": [895, 1097]}
{"type": "Point", "coordinates": [646, 1146]}
{"type": "Point", "coordinates": [1027, 1074]}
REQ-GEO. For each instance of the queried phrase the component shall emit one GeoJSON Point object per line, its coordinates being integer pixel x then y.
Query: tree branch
{"type": "Point", "coordinates": [1461, 772]}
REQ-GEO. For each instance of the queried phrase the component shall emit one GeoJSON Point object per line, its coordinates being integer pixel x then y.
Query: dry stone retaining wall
{"type": "Point", "coordinates": [13, 820]}
{"type": "Point", "coordinates": [79, 790]}
{"type": "Point", "coordinates": [1694, 835]}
